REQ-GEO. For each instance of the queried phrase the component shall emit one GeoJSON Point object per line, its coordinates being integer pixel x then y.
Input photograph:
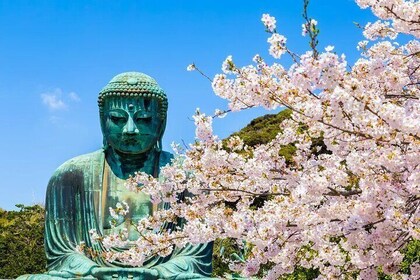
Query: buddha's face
{"type": "Point", "coordinates": [131, 124]}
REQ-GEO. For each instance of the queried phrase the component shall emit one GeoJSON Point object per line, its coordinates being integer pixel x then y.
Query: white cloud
{"type": "Point", "coordinates": [56, 100]}
{"type": "Point", "coordinates": [74, 97]}
{"type": "Point", "coordinates": [53, 101]}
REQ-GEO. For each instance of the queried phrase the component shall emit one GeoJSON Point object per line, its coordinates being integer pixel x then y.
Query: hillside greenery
{"type": "Point", "coordinates": [262, 129]}
{"type": "Point", "coordinates": [22, 241]}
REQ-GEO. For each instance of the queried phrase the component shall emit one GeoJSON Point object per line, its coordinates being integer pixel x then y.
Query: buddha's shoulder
{"type": "Point", "coordinates": [81, 162]}
{"type": "Point", "coordinates": [165, 158]}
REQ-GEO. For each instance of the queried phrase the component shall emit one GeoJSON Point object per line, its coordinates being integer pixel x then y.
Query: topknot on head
{"type": "Point", "coordinates": [131, 78]}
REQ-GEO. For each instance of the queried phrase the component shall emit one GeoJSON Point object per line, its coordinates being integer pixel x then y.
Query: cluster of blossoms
{"type": "Point", "coordinates": [403, 14]}
{"type": "Point", "coordinates": [269, 22]}
{"type": "Point", "coordinates": [277, 45]}
{"type": "Point", "coordinates": [309, 27]}
{"type": "Point", "coordinates": [277, 42]}
{"type": "Point", "coordinates": [379, 29]}
{"type": "Point", "coordinates": [346, 211]}
{"type": "Point", "coordinates": [191, 67]}
{"type": "Point", "coordinates": [120, 210]}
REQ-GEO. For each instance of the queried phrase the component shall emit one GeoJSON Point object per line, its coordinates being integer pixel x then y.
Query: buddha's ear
{"type": "Point", "coordinates": [105, 143]}
{"type": "Point", "coordinates": [161, 131]}
{"type": "Point", "coordinates": [102, 123]}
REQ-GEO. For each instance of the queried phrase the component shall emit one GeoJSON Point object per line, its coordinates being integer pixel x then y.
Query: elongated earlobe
{"type": "Point", "coordinates": [158, 146]}
{"type": "Point", "coordinates": [105, 144]}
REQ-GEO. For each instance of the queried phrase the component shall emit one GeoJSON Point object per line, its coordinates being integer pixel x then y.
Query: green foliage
{"type": "Point", "coordinates": [301, 273]}
{"type": "Point", "coordinates": [22, 241]}
{"type": "Point", "coordinates": [223, 250]}
{"type": "Point", "coordinates": [262, 129]}
{"type": "Point", "coordinates": [411, 255]}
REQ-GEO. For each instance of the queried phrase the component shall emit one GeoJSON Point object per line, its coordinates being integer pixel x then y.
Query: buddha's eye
{"type": "Point", "coordinates": [143, 116]}
{"type": "Point", "coordinates": [118, 118]}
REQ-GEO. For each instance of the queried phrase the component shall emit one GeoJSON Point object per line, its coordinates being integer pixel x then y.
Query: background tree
{"type": "Point", "coordinates": [21, 241]}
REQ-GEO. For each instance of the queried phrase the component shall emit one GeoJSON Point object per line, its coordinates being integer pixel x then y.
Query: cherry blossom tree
{"type": "Point", "coordinates": [347, 212]}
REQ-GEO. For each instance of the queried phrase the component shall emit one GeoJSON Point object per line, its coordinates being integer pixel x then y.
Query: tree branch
{"type": "Point", "coordinates": [243, 191]}
{"type": "Point", "coordinates": [334, 192]}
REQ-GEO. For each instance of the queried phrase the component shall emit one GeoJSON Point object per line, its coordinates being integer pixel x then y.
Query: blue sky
{"type": "Point", "coordinates": [55, 56]}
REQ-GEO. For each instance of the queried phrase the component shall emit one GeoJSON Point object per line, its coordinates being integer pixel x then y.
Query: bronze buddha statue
{"type": "Point", "coordinates": [133, 111]}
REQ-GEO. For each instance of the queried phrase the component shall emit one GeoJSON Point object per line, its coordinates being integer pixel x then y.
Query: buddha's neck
{"type": "Point", "coordinates": [124, 165]}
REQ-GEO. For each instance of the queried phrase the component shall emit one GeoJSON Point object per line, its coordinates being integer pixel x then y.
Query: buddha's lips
{"type": "Point", "coordinates": [134, 139]}
{"type": "Point", "coordinates": [130, 140]}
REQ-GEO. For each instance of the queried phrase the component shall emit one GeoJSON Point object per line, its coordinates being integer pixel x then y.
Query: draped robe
{"type": "Point", "coordinates": [74, 206]}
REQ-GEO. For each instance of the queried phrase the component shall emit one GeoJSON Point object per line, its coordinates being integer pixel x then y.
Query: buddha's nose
{"type": "Point", "coordinates": [130, 128]}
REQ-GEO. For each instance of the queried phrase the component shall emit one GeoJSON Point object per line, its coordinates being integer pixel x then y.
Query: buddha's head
{"type": "Point", "coordinates": [133, 111]}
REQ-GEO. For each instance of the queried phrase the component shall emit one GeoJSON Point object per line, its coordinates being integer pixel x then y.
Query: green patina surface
{"type": "Point", "coordinates": [133, 117]}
